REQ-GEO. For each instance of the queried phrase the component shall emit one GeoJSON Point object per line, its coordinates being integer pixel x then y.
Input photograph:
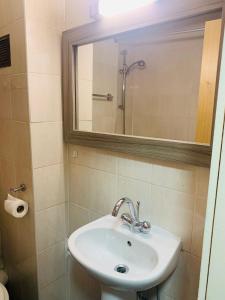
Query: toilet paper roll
{"type": "Point", "coordinates": [16, 207]}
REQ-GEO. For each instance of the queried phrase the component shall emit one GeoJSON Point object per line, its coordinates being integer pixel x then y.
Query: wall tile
{"type": "Point", "coordinates": [78, 217]}
{"type": "Point", "coordinates": [93, 158]}
{"type": "Point", "coordinates": [18, 47]}
{"type": "Point", "coordinates": [49, 188]}
{"type": "Point", "coordinates": [54, 291]}
{"type": "Point", "coordinates": [202, 182]}
{"type": "Point", "coordinates": [175, 176]}
{"type": "Point", "coordinates": [46, 143]}
{"type": "Point", "coordinates": [5, 98]}
{"type": "Point", "coordinates": [19, 96]}
{"type": "Point", "coordinates": [198, 226]}
{"type": "Point", "coordinates": [136, 168]}
{"type": "Point", "coordinates": [92, 188]}
{"type": "Point", "coordinates": [133, 189]}
{"type": "Point", "coordinates": [173, 211]}
{"type": "Point", "coordinates": [45, 98]}
{"type": "Point", "coordinates": [21, 145]}
{"type": "Point", "coordinates": [44, 44]}
{"type": "Point", "coordinates": [74, 19]}
{"type": "Point", "coordinates": [51, 264]}
{"type": "Point", "coordinates": [183, 283]}
{"type": "Point", "coordinates": [50, 226]}
{"type": "Point", "coordinates": [6, 134]}
{"type": "Point", "coordinates": [10, 11]}
{"type": "Point", "coordinates": [82, 286]}
{"type": "Point", "coordinates": [51, 12]}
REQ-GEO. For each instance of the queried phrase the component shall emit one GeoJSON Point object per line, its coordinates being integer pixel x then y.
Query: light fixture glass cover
{"type": "Point", "coordinates": [108, 8]}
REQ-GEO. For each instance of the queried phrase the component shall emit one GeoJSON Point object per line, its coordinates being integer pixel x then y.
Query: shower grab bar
{"type": "Point", "coordinates": [107, 97]}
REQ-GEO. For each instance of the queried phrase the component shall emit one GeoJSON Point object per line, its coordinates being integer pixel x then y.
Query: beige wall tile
{"type": "Point", "coordinates": [45, 98]}
{"type": "Point", "coordinates": [174, 176]}
{"type": "Point", "coordinates": [5, 98]}
{"type": "Point", "coordinates": [10, 11]}
{"type": "Point", "coordinates": [54, 291]}
{"type": "Point", "coordinates": [18, 47]}
{"type": "Point", "coordinates": [19, 94]}
{"type": "Point", "coordinates": [50, 226]}
{"type": "Point", "coordinates": [202, 182]}
{"type": "Point", "coordinates": [79, 279]}
{"type": "Point", "coordinates": [74, 19]}
{"type": "Point", "coordinates": [51, 12]}
{"type": "Point", "coordinates": [46, 143]}
{"type": "Point", "coordinates": [183, 283]}
{"type": "Point", "coordinates": [198, 226]}
{"type": "Point", "coordinates": [44, 44]}
{"type": "Point", "coordinates": [136, 168]}
{"type": "Point", "coordinates": [78, 217]}
{"type": "Point", "coordinates": [93, 158]}
{"type": "Point", "coordinates": [92, 188]}
{"type": "Point", "coordinates": [173, 211]}
{"type": "Point", "coordinates": [6, 134]}
{"type": "Point", "coordinates": [51, 264]}
{"type": "Point", "coordinates": [132, 188]}
{"type": "Point", "coordinates": [49, 188]}
{"type": "Point", "coordinates": [21, 145]}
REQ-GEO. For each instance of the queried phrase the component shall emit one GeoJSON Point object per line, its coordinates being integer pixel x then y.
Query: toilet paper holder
{"type": "Point", "coordinates": [21, 188]}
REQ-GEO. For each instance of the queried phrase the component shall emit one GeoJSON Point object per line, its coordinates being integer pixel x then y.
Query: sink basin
{"type": "Point", "coordinates": [122, 260]}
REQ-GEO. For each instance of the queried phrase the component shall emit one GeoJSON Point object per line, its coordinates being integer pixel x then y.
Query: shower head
{"type": "Point", "coordinates": [140, 64]}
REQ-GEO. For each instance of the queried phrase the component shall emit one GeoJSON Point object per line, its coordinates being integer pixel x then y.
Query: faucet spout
{"type": "Point", "coordinates": [131, 219]}
{"type": "Point", "coordinates": [130, 203]}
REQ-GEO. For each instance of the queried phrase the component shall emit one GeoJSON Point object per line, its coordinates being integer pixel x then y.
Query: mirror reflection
{"type": "Point", "coordinates": [155, 82]}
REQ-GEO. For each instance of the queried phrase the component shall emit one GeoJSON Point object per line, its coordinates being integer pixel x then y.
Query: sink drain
{"type": "Point", "coordinates": [121, 269]}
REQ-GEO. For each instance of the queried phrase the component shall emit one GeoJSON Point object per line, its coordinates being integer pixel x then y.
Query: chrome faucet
{"type": "Point", "coordinates": [131, 219]}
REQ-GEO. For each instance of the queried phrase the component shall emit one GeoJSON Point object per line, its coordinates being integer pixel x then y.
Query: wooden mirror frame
{"type": "Point", "coordinates": [159, 13]}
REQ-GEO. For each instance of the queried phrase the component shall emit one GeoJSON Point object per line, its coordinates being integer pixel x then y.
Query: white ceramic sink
{"type": "Point", "coordinates": [106, 243]}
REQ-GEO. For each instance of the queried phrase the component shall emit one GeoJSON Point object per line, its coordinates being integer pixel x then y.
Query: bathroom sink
{"type": "Point", "coordinates": [124, 260]}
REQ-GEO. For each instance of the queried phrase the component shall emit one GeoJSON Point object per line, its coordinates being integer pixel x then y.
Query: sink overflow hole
{"type": "Point", "coordinates": [121, 269]}
{"type": "Point", "coordinates": [129, 243]}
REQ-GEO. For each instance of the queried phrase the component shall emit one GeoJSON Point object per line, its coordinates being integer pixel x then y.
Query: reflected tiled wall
{"type": "Point", "coordinates": [18, 238]}
{"type": "Point", "coordinates": [44, 25]}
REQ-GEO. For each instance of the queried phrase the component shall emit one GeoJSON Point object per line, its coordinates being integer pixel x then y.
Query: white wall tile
{"type": "Point", "coordinates": [50, 226]}
{"type": "Point", "coordinates": [45, 98]}
{"type": "Point", "coordinates": [46, 143]}
{"type": "Point", "coordinates": [44, 44]}
{"type": "Point", "coordinates": [51, 264]}
{"type": "Point", "coordinates": [49, 187]}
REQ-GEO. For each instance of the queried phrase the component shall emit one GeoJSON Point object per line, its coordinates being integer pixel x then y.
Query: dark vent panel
{"type": "Point", "coordinates": [5, 55]}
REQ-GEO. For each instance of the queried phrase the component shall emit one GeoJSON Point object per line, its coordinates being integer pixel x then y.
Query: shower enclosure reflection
{"type": "Point", "coordinates": [156, 82]}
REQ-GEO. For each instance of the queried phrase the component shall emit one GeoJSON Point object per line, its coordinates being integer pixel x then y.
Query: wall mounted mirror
{"type": "Point", "coordinates": [149, 91]}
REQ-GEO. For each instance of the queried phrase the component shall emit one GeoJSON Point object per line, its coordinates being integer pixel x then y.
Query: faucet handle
{"type": "Point", "coordinates": [138, 210]}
